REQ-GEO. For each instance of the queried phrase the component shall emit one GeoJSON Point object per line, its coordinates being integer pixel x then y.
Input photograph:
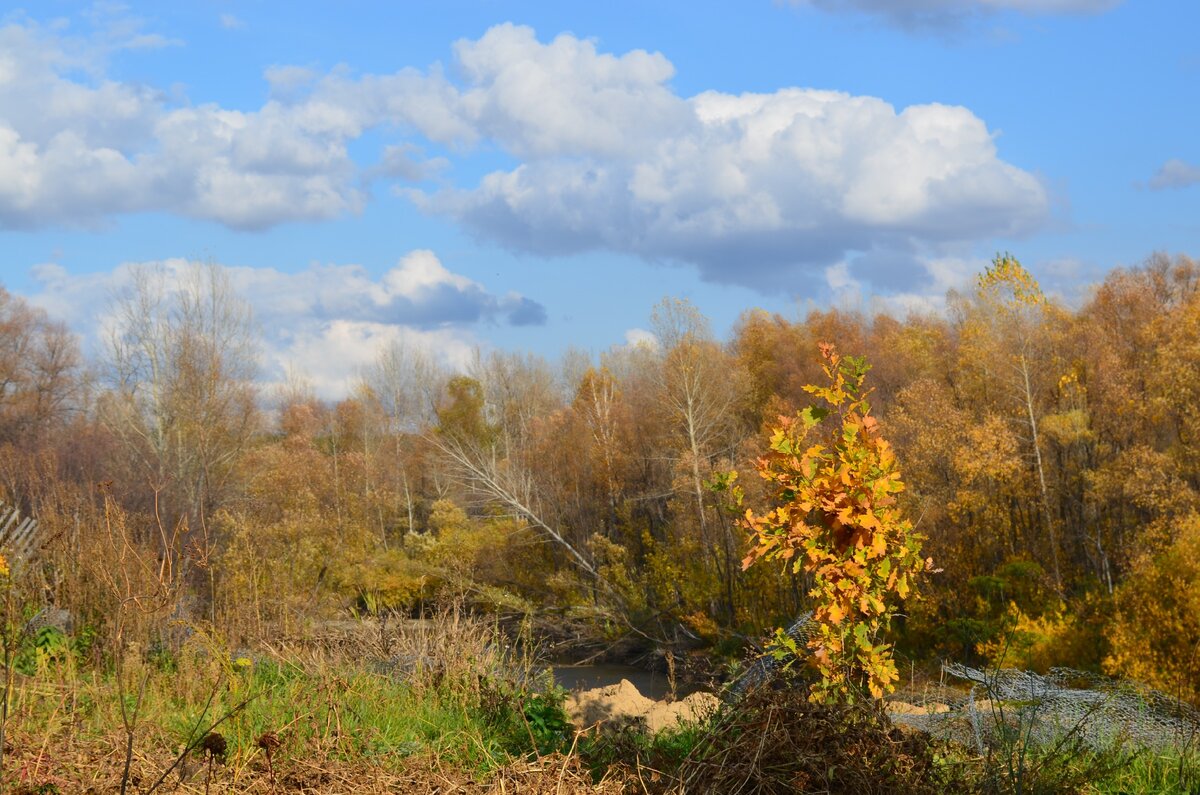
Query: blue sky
{"type": "Point", "coordinates": [536, 175]}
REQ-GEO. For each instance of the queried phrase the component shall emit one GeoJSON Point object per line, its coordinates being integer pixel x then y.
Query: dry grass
{"type": "Point", "coordinates": [96, 768]}
{"type": "Point", "coordinates": [449, 646]}
{"type": "Point", "coordinates": [434, 706]}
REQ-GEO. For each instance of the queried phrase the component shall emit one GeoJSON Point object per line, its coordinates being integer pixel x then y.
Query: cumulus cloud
{"type": "Point", "coordinates": [942, 13]}
{"type": "Point", "coordinates": [77, 150]}
{"type": "Point", "coordinates": [418, 292]}
{"type": "Point", "coordinates": [754, 189]}
{"type": "Point", "coordinates": [327, 320]}
{"type": "Point", "coordinates": [565, 98]}
{"type": "Point", "coordinates": [1175, 173]}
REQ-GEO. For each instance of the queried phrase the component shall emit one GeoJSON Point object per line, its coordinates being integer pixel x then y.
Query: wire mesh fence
{"type": "Point", "coordinates": [1098, 710]}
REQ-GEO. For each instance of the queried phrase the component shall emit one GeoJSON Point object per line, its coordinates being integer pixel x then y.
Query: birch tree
{"type": "Point", "coordinates": [181, 361]}
{"type": "Point", "coordinates": [699, 391]}
{"type": "Point", "coordinates": [1006, 339]}
{"type": "Point", "coordinates": [406, 382]}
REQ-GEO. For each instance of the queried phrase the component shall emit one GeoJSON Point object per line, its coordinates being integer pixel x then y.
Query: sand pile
{"type": "Point", "coordinates": [620, 705]}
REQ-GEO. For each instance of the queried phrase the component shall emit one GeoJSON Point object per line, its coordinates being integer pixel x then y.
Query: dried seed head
{"type": "Point", "coordinates": [214, 745]}
{"type": "Point", "coordinates": [269, 741]}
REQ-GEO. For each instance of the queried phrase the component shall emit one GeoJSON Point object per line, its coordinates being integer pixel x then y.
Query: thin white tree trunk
{"type": "Point", "coordinates": [1041, 472]}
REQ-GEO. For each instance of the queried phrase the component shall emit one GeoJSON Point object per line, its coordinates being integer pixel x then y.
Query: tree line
{"type": "Point", "coordinates": [1050, 453]}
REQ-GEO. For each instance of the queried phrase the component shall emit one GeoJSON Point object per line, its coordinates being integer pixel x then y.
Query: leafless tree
{"type": "Point", "coordinates": [181, 363]}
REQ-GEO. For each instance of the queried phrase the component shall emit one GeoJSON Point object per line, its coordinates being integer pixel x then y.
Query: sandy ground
{"type": "Point", "coordinates": [620, 705]}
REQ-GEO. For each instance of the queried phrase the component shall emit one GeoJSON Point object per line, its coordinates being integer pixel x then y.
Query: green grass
{"type": "Point", "coordinates": [1044, 771]}
{"type": "Point", "coordinates": [321, 711]}
{"type": "Point", "coordinates": [1169, 772]}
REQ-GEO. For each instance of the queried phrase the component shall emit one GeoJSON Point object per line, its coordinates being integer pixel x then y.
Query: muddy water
{"type": "Point", "coordinates": [650, 684]}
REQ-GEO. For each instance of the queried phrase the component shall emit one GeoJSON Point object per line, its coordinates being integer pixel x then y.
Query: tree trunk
{"type": "Point", "coordinates": [1041, 473]}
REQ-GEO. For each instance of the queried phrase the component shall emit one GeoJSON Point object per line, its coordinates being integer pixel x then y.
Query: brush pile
{"type": "Point", "coordinates": [777, 741]}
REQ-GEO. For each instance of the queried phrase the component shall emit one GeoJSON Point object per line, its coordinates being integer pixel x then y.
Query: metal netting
{"type": "Point", "coordinates": [1097, 710]}
{"type": "Point", "coordinates": [764, 668]}
{"type": "Point", "coordinates": [1045, 708]}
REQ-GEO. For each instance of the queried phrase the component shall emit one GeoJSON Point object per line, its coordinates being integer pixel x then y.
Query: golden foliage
{"type": "Point", "coordinates": [1155, 634]}
{"type": "Point", "coordinates": [1057, 637]}
{"type": "Point", "coordinates": [1007, 281]}
{"type": "Point", "coordinates": [836, 517]}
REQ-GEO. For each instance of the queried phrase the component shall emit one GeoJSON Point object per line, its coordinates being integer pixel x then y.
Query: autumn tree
{"type": "Point", "coordinates": [773, 353]}
{"type": "Point", "coordinates": [1155, 635]}
{"type": "Point", "coordinates": [1174, 389]}
{"type": "Point", "coordinates": [696, 387]}
{"type": "Point", "coordinates": [833, 486]}
{"type": "Point", "coordinates": [699, 390]}
{"type": "Point", "coordinates": [1007, 343]}
{"type": "Point", "coordinates": [964, 509]}
{"type": "Point", "coordinates": [599, 409]}
{"type": "Point", "coordinates": [468, 444]}
{"type": "Point", "coordinates": [1132, 342]}
{"type": "Point", "coordinates": [405, 384]}
{"type": "Point", "coordinates": [39, 367]}
{"type": "Point", "coordinates": [518, 390]}
{"type": "Point", "coordinates": [181, 365]}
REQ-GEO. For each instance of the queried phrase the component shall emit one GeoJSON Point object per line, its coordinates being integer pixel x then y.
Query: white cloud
{"type": "Point", "coordinates": [327, 320]}
{"type": "Point", "coordinates": [334, 355]}
{"type": "Point", "coordinates": [406, 162]}
{"type": "Point", "coordinates": [417, 292]}
{"type": "Point", "coordinates": [1175, 173]}
{"type": "Point", "coordinates": [231, 22]}
{"type": "Point", "coordinates": [639, 337]}
{"type": "Point", "coordinates": [923, 292]}
{"type": "Point", "coordinates": [754, 189]}
{"type": "Point", "coordinates": [287, 81]}
{"type": "Point", "coordinates": [78, 151]}
{"type": "Point", "coordinates": [942, 13]}
{"type": "Point", "coordinates": [564, 98]}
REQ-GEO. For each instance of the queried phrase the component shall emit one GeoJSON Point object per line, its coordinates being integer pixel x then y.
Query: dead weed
{"type": "Point", "coordinates": [776, 741]}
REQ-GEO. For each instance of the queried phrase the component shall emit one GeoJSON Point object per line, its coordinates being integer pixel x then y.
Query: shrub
{"type": "Point", "coordinates": [835, 516]}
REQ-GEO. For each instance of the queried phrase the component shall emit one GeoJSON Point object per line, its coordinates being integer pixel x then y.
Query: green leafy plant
{"type": "Point", "coordinates": [529, 720]}
{"type": "Point", "coordinates": [44, 647]}
{"type": "Point", "coordinates": [547, 720]}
